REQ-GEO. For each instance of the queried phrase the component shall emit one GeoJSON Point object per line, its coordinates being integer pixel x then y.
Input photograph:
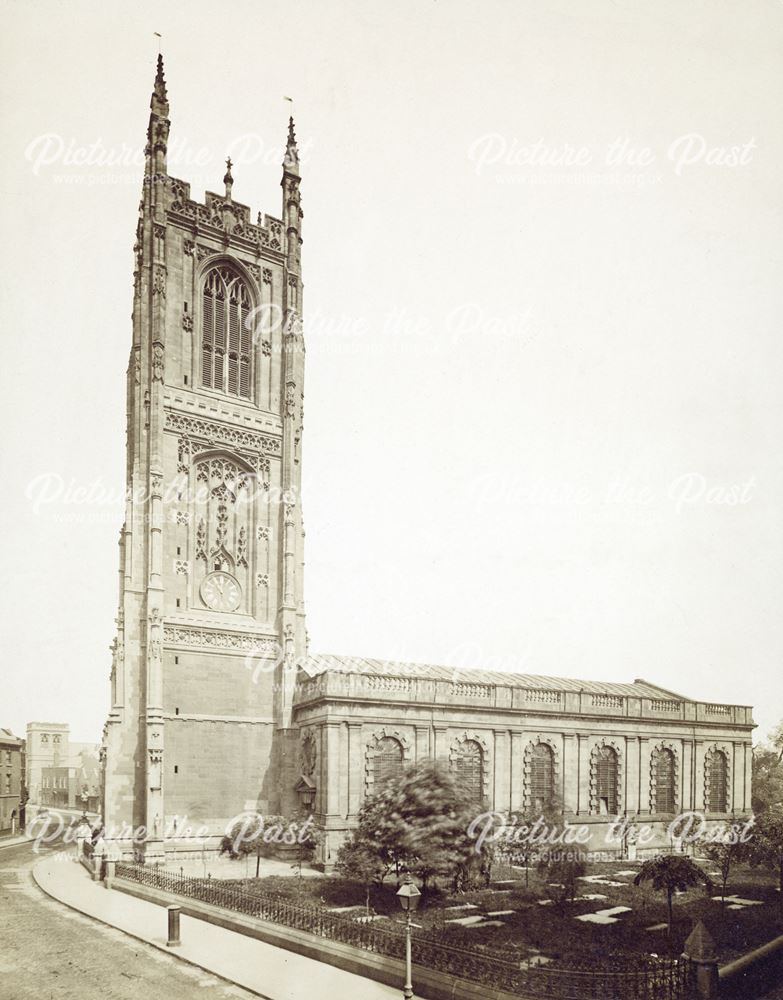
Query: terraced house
{"type": "Point", "coordinates": [216, 704]}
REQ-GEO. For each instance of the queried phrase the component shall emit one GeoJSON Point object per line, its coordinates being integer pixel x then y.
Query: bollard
{"type": "Point", "coordinates": [174, 912]}
{"type": "Point", "coordinates": [97, 871]}
{"type": "Point", "coordinates": [110, 873]}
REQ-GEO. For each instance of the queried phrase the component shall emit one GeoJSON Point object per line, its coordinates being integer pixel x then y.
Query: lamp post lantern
{"type": "Point", "coordinates": [408, 896]}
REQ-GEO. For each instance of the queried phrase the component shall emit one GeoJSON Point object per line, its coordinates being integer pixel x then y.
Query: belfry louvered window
{"type": "Point", "coordinates": [226, 339]}
{"type": "Point", "coordinates": [717, 776]}
{"type": "Point", "coordinates": [468, 766]}
{"type": "Point", "coordinates": [606, 780]}
{"type": "Point", "coordinates": [387, 760]}
{"type": "Point", "coordinates": [663, 779]}
{"type": "Point", "coordinates": [542, 776]}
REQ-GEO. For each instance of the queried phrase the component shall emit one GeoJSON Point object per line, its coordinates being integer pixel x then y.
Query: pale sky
{"type": "Point", "coordinates": [535, 379]}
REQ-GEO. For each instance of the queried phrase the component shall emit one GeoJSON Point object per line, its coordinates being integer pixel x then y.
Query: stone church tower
{"type": "Point", "coordinates": [210, 623]}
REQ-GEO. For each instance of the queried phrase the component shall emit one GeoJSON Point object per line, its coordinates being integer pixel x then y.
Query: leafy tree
{"type": "Point", "coordinates": [765, 848]}
{"type": "Point", "coordinates": [536, 829]}
{"type": "Point", "coordinates": [359, 861]}
{"type": "Point", "coordinates": [418, 823]}
{"type": "Point", "coordinates": [257, 834]}
{"type": "Point", "coordinates": [381, 828]}
{"type": "Point", "coordinates": [308, 837]}
{"type": "Point", "coordinates": [724, 854]}
{"type": "Point", "coordinates": [560, 868]}
{"type": "Point", "coordinates": [436, 814]}
{"type": "Point", "coordinates": [670, 873]}
{"type": "Point", "coordinates": [474, 870]}
{"type": "Point", "coordinates": [768, 773]}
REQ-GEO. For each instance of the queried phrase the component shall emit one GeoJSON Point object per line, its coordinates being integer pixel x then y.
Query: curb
{"type": "Point", "coordinates": [164, 948]}
{"type": "Point", "coordinates": [16, 842]}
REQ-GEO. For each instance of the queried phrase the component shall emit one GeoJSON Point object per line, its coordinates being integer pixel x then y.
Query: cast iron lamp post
{"type": "Point", "coordinates": [408, 896]}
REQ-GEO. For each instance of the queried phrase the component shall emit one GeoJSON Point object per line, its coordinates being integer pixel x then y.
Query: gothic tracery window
{"type": "Point", "coordinates": [468, 765]}
{"type": "Point", "coordinates": [664, 788]}
{"type": "Point", "coordinates": [542, 776]}
{"type": "Point", "coordinates": [226, 338]}
{"type": "Point", "coordinates": [606, 775]}
{"type": "Point", "coordinates": [387, 760]}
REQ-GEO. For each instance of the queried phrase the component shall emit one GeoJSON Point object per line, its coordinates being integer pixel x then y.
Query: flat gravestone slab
{"type": "Point", "coordinates": [499, 913]}
{"type": "Point", "coordinates": [656, 927]}
{"type": "Point", "coordinates": [461, 906]}
{"type": "Point", "coordinates": [466, 921]}
{"type": "Point", "coordinates": [608, 916]}
{"type": "Point", "coordinates": [600, 880]}
{"type": "Point", "coordinates": [344, 909]}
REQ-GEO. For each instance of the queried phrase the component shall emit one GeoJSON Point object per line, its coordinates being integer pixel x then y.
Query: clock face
{"type": "Point", "coordinates": [221, 592]}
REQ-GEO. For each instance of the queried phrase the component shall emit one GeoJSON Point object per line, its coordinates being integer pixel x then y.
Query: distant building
{"type": "Point", "coordinates": [47, 746]}
{"type": "Point", "coordinates": [11, 779]}
{"type": "Point", "coordinates": [59, 772]}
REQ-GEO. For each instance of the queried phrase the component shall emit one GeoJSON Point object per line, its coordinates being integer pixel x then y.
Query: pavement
{"type": "Point", "coordinates": [13, 841]}
{"type": "Point", "coordinates": [262, 969]}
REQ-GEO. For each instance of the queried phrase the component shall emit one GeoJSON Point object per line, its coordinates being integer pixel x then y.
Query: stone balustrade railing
{"type": "Point", "coordinates": [426, 690]}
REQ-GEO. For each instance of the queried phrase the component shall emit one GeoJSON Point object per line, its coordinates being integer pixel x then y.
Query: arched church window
{"type": "Point", "coordinates": [606, 772]}
{"type": "Point", "coordinates": [468, 766]}
{"type": "Point", "coordinates": [226, 340]}
{"type": "Point", "coordinates": [717, 778]}
{"type": "Point", "coordinates": [664, 790]}
{"type": "Point", "coordinates": [387, 760]}
{"type": "Point", "coordinates": [542, 776]}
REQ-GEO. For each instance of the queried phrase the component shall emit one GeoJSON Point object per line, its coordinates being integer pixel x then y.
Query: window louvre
{"type": "Point", "coordinates": [606, 780]}
{"type": "Point", "coordinates": [469, 769]}
{"type": "Point", "coordinates": [663, 776]}
{"type": "Point", "coordinates": [387, 760]}
{"type": "Point", "coordinates": [207, 341]}
{"type": "Point", "coordinates": [226, 340]}
{"type": "Point", "coordinates": [542, 776]}
{"type": "Point", "coordinates": [717, 772]}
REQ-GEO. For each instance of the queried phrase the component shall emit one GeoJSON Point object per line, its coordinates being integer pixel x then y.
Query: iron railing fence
{"type": "Point", "coordinates": [627, 979]}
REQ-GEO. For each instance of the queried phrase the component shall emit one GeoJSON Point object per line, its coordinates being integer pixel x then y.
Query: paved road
{"type": "Point", "coordinates": [48, 951]}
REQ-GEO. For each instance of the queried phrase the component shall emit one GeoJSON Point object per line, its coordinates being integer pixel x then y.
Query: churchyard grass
{"type": "Point", "coordinates": [537, 924]}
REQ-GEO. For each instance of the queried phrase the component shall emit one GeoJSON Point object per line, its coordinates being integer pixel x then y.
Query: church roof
{"type": "Point", "coordinates": [393, 668]}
